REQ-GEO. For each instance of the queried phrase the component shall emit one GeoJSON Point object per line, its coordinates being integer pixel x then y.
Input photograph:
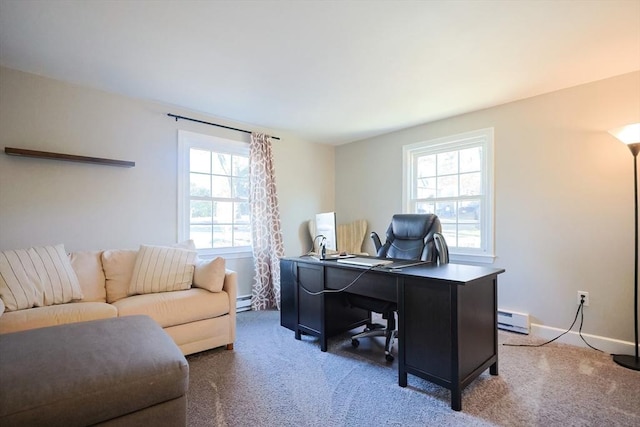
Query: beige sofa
{"type": "Point", "coordinates": [197, 319]}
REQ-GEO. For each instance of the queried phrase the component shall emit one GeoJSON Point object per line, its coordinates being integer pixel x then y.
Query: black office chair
{"type": "Point", "coordinates": [409, 236]}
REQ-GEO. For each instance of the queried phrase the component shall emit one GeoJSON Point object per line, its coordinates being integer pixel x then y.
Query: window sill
{"type": "Point", "coordinates": [472, 258]}
{"type": "Point", "coordinates": [227, 253]}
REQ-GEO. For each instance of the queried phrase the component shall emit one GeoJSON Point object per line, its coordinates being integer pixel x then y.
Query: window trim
{"type": "Point", "coordinates": [486, 254]}
{"type": "Point", "coordinates": [186, 141]}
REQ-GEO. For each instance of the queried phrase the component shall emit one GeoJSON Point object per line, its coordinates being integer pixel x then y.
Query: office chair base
{"type": "Point", "coordinates": [387, 355]}
{"type": "Point", "coordinates": [370, 333]}
{"type": "Point", "coordinates": [373, 327]}
{"type": "Point", "coordinates": [389, 335]}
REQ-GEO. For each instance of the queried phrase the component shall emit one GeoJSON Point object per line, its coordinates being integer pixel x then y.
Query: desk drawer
{"type": "Point", "coordinates": [371, 283]}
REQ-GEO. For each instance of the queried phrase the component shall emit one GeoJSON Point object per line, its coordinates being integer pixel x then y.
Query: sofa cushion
{"type": "Point", "coordinates": [176, 308]}
{"type": "Point", "coordinates": [162, 269]}
{"type": "Point", "coordinates": [37, 277]}
{"type": "Point", "coordinates": [118, 268]}
{"type": "Point", "coordinates": [88, 268]}
{"type": "Point", "coordinates": [52, 315]}
{"type": "Point", "coordinates": [209, 274]}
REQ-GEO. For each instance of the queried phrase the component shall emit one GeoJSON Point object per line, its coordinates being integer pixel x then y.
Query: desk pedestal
{"type": "Point", "coordinates": [447, 334]}
{"type": "Point", "coordinates": [323, 315]}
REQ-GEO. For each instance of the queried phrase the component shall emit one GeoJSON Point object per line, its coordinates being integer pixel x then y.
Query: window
{"type": "Point", "coordinates": [453, 178]}
{"type": "Point", "coordinates": [213, 193]}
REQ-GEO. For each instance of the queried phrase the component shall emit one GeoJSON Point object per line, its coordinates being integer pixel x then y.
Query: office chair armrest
{"type": "Point", "coordinates": [442, 250]}
{"type": "Point", "coordinates": [376, 240]}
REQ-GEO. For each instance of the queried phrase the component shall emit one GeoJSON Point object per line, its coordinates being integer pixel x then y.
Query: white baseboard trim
{"type": "Point", "coordinates": [608, 345]}
{"type": "Point", "coordinates": [243, 303]}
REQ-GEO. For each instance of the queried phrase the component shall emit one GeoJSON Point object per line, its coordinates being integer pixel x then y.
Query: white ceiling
{"type": "Point", "coordinates": [326, 71]}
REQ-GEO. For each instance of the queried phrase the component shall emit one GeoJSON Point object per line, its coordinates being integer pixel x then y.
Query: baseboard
{"type": "Point", "coordinates": [243, 303]}
{"type": "Point", "coordinates": [608, 345]}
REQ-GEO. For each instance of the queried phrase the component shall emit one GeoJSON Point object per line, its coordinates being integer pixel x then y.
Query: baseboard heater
{"type": "Point", "coordinates": [243, 303]}
{"type": "Point", "coordinates": [514, 322]}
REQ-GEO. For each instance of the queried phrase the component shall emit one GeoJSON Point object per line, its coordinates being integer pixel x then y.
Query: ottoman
{"type": "Point", "coordinates": [118, 371]}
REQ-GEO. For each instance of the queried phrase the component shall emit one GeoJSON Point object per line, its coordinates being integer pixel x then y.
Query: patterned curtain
{"type": "Point", "coordinates": [265, 225]}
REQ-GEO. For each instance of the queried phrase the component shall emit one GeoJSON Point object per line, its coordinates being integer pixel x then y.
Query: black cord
{"type": "Point", "coordinates": [331, 291]}
{"type": "Point", "coordinates": [552, 340]}
{"type": "Point", "coordinates": [313, 244]}
{"type": "Point", "coordinates": [580, 329]}
{"type": "Point", "coordinates": [580, 311]}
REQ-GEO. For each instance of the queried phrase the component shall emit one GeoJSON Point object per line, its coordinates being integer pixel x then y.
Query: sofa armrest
{"type": "Point", "coordinates": [230, 286]}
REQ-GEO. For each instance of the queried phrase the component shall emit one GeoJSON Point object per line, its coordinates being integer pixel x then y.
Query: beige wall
{"type": "Point", "coordinates": [88, 206]}
{"type": "Point", "coordinates": [564, 199]}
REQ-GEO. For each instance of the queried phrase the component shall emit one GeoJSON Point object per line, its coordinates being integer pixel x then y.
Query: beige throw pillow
{"type": "Point", "coordinates": [37, 277]}
{"type": "Point", "coordinates": [118, 267]}
{"type": "Point", "coordinates": [209, 274]}
{"type": "Point", "coordinates": [162, 269]}
{"type": "Point", "coordinates": [88, 268]}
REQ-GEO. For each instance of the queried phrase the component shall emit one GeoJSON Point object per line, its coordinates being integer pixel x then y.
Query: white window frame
{"type": "Point", "coordinates": [186, 141]}
{"type": "Point", "coordinates": [482, 137]}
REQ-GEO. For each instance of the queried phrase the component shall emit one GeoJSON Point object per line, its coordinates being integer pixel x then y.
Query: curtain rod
{"type": "Point", "coordinates": [212, 124]}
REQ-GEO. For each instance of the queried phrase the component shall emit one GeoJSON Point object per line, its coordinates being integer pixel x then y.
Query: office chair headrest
{"type": "Point", "coordinates": [412, 226]}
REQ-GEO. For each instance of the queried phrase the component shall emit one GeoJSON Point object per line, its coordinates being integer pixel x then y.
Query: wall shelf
{"type": "Point", "coordinates": [67, 157]}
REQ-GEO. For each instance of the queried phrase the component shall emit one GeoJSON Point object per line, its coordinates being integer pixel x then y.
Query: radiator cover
{"type": "Point", "coordinates": [513, 321]}
{"type": "Point", "coordinates": [243, 303]}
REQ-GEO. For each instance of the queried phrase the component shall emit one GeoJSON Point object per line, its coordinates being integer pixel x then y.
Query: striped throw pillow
{"type": "Point", "coordinates": [162, 269]}
{"type": "Point", "coordinates": [37, 277]}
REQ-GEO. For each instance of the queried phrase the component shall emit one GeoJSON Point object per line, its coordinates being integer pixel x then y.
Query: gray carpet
{"type": "Point", "coordinates": [270, 379]}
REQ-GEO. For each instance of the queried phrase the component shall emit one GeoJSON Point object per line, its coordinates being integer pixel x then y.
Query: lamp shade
{"type": "Point", "coordinates": [629, 134]}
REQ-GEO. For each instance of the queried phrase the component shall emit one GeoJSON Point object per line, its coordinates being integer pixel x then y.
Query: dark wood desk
{"type": "Point", "coordinates": [447, 315]}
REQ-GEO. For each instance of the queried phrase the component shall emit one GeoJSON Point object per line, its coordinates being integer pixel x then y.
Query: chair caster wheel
{"type": "Point", "coordinates": [355, 342]}
{"type": "Point", "coordinates": [389, 357]}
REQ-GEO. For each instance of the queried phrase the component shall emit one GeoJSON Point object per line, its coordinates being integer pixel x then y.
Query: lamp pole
{"type": "Point", "coordinates": [627, 360]}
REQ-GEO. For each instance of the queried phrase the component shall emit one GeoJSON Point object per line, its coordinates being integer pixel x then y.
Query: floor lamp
{"type": "Point", "coordinates": [630, 135]}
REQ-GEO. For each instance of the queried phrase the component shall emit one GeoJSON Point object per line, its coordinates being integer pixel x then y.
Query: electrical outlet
{"type": "Point", "coordinates": [586, 297]}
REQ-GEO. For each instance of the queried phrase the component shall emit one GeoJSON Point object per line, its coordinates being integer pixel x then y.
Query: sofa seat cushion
{"type": "Point", "coordinates": [176, 308]}
{"type": "Point", "coordinates": [40, 317]}
{"type": "Point", "coordinates": [90, 372]}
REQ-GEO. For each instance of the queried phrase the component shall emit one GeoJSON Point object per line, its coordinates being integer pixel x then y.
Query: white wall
{"type": "Point", "coordinates": [564, 199]}
{"type": "Point", "coordinates": [90, 207]}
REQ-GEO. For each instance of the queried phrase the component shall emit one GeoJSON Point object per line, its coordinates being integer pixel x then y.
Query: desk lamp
{"type": "Point", "coordinates": [630, 135]}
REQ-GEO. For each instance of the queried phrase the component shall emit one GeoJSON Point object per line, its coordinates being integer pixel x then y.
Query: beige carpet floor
{"type": "Point", "coordinates": [270, 379]}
